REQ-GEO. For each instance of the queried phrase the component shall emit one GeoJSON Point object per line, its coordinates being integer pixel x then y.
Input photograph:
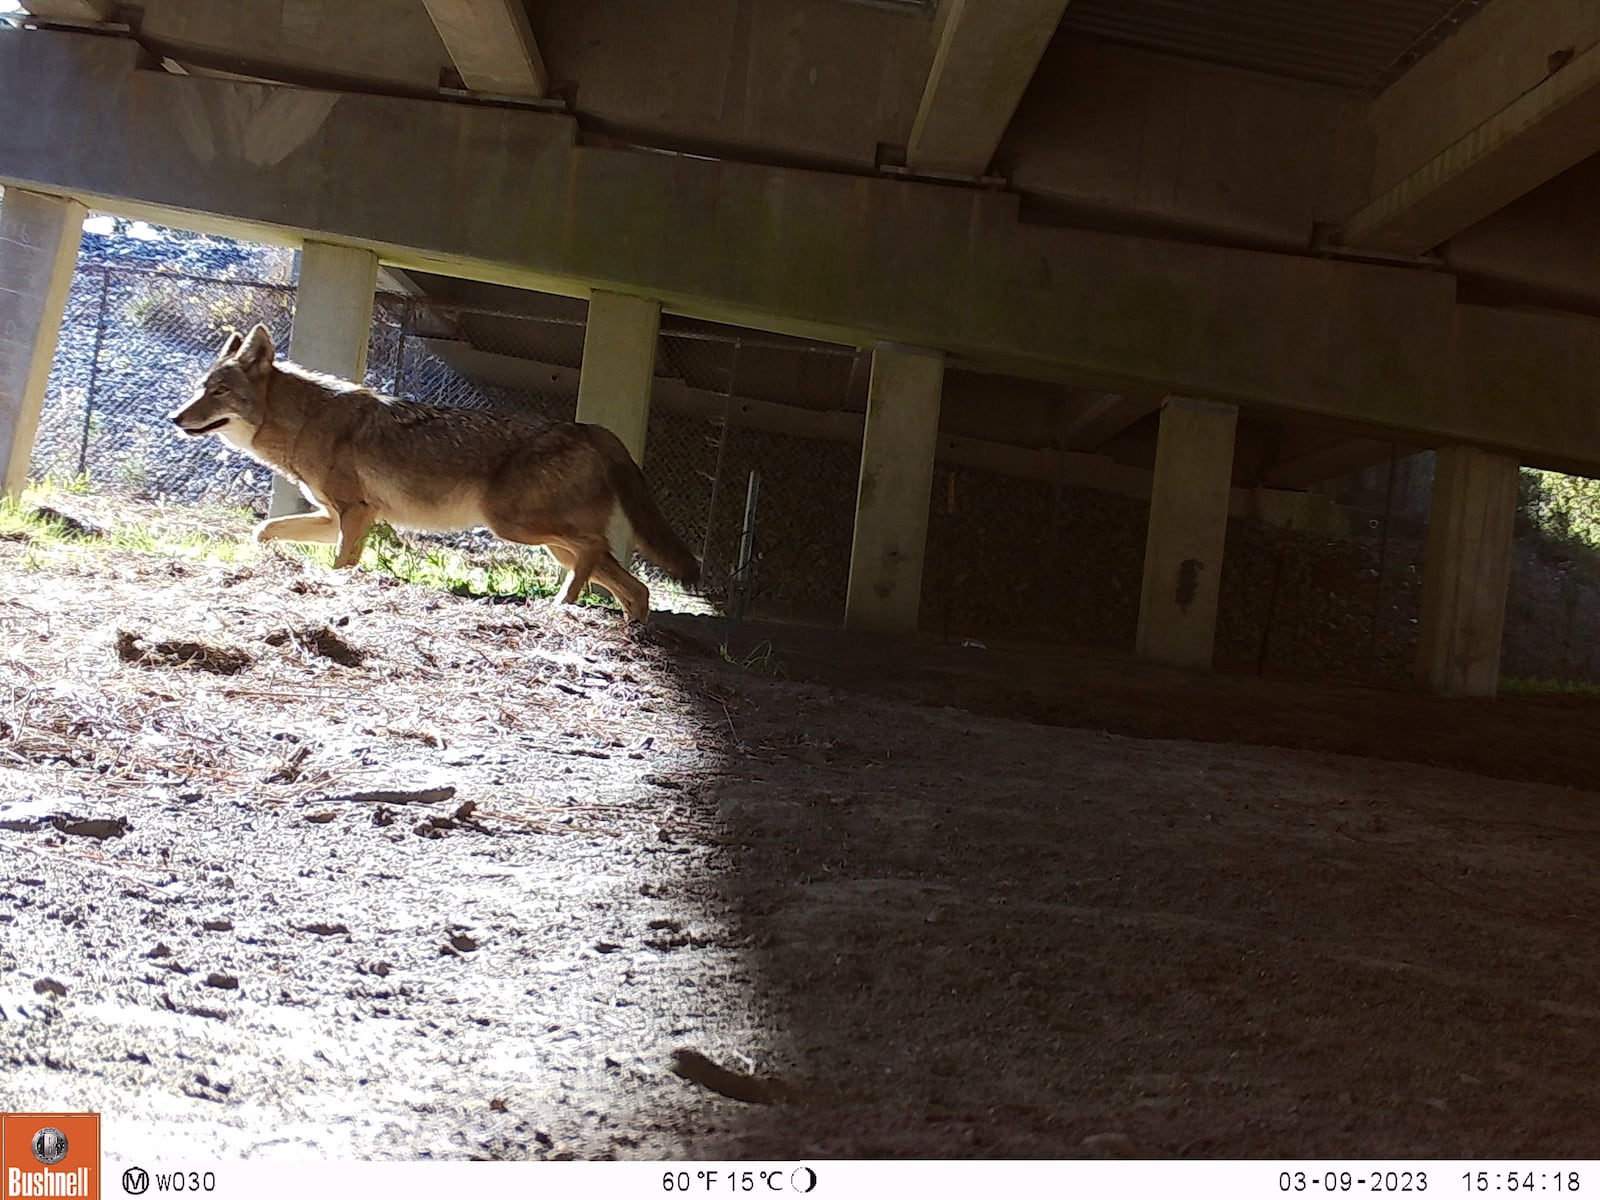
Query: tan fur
{"type": "Point", "coordinates": [362, 457]}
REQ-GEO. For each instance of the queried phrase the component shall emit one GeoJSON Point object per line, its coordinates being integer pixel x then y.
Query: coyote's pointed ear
{"type": "Point", "coordinates": [228, 347]}
{"type": "Point", "coordinates": [256, 353]}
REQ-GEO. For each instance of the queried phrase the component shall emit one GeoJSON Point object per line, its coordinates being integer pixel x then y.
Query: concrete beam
{"type": "Point", "coordinates": [1466, 568]}
{"type": "Point", "coordinates": [492, 46]}
{"type": "Point", "coordinates": [619, 363]}
{"type": "Point", "coordinates": [39, 238]}
{"type": "Point", "coordinates": [1100, 416]}
{"type": "Point", "coordinates": [619, 366]}
{"type": "Point", "coordinates": [837, 258]}
{"type": "Point", "coordinates": [1188, 526]}
{"type": "Point", "coordinates": [986, 54]}
{"type": "Point", "coordinates": [1514, 100]}
{"type": "Point", "coordinates": [1310, 457]}
{"type": "Point", "coordinates": [1545, 245]}
{"type": "Point", "coordinates": [1073, 469]}
{"type": "Point", "coordinates": [332, 326]}
{"type": "Point", "coordinates": [72, 10]}
{"type": "Point", "coordinates": [891, 530]}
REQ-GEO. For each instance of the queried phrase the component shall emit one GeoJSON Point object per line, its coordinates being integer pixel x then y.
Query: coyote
{"type": "Point", "coordinates": [363, 457]}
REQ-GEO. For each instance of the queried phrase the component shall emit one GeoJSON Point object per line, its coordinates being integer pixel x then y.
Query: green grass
{"type": "Point", "coordinates": [761, 660]}
{"type": "Point", "coordinates": [51, 541]}
{"type": "Point", "coordinates": [510, 573]}
{"type": "Point", "coordinates": [221, 535]}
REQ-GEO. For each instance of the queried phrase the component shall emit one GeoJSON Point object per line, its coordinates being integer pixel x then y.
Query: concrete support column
{"type": "Point", "coordinates": [39, 238]}
{"type": "Point", "coordinates": [332, 325]}
{"type": "Point", "coordinates": [1465, 572]}
{"type": "Point", "coordinates": [1188, 525]}
{"type": "Point", "coordinates": [619, 368]}
{"type": "Point", "coordinates": [891, 530]}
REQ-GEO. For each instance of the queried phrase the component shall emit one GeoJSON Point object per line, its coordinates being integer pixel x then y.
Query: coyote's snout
{"type": "Point", "coordinates": [363, 457]}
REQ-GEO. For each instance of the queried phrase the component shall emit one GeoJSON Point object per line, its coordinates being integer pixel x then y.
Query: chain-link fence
{"type": "Point", "coordinates": [131, 346]}
{"type": "Point", "coordinates": [753, 452]}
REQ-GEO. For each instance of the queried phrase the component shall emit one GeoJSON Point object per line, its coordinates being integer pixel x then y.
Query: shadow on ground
{"type": "Point", "coordinates": [472, 884]}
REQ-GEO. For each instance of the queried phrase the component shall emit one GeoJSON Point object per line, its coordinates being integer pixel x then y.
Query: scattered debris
{"type": "Point", "coordinates": [77, 526]}
{"type": "Point", "coordinates": [434, 795]}
{"type": "Point", "coordinates": [220, 660]}
{"type": "Point", "coordinates": [1110, 1145]}
{"type": "Point", "coordinates": [321, 641]}
{"type": "Point", "coordinates": [736, 1085]}
{"type": "Point", "coordinates": [101, 829]}
{"type": "Point", "coordinates": [324, 928]}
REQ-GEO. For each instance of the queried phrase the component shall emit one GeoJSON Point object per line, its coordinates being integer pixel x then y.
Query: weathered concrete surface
{"type": "Point", "coordinates": [897, 448]}
{"type": "Point", "coordinates": [388, 43]}
{"type": "Point", "coordinates": [38, 249]}
{"type": "Point", "coordinates": [1107, 129]}
{"type": "Point", "coordinates": [1507, 103]}
{"type": "Point", "coordinates": [72, 10]}
{"type": "Point", "coordinates": [809, 78]}
{"type": "Point", "coordinates": [1548, 240]}
{"type": "Point", "coordinates": [987, 52]}
{"type": "Point", "coordinates": [332, 326]}
{"type": "Point", "coordinates": [614, 386]}
{"type": "Point", "coordinates": [492, 45]}
{"type": "Point", "coordinates": [1465, 572]}
{"type": "Point", "coordinates": [1509, 366]}
{"type": "Point", "coordinates": [504, 196]}
{"type": "Point", "coordinates": [1188, 525]}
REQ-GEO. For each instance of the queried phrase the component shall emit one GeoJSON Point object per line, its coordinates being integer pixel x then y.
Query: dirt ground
{"type": "Point", "coordinates": [300, 865]}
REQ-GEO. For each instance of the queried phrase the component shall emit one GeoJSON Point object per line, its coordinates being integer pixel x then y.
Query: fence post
{"type": "Point", "coordinates": [722, 454]}
{"type": "Point", "coordinates": [747, 546]}
{"type": "Point", "coordinates": [94, 372]}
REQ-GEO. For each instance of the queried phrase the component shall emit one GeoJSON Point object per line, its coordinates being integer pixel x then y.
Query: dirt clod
{"type": "Point", "coordinates": [179, 652]}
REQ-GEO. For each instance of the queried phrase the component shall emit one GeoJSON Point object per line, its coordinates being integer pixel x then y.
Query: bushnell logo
{"type": "Point", "coordinates": [49, 1145]}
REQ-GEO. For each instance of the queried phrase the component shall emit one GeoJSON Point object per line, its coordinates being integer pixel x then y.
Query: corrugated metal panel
{"type": "Point", "coordinates": [1355, 45]}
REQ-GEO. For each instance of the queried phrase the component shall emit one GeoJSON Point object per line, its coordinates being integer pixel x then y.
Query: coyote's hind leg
{"type": "Point", "coordinates": [354, 522]}
{"type": "Point", "coordinates": [630, 592]}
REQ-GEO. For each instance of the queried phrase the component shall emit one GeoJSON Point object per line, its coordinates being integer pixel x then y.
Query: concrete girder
{"type": "Point", "coordinates": [1100, 416]}
{"type": "Point", "coordinates": [1309, 457]}
{"type": "Point", "coordinates": [72, 10]}
{"type": "Point", "coordinates": [492, 46]}
{"type": "Point", "coordinates": [505, 196]}
{"type": "Point", "coordinates": [1446, 159]}
{"type": "Point", "coordinates": [986, 54]}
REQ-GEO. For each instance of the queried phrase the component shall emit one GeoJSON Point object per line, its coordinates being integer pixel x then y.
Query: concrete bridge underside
{"type": "Point", "coordinates": [1316, 339]}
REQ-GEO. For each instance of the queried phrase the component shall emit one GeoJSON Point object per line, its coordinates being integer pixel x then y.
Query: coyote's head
{"type": "Point", "coordinates": [231, 398]}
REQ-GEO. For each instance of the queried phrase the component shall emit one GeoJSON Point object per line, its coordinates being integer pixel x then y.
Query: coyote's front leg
{"type": "Point", "coordinates": [299, 527]}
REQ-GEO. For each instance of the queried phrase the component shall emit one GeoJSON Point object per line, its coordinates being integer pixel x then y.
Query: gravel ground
{"type": "Point", "coordinates": [315, 866]}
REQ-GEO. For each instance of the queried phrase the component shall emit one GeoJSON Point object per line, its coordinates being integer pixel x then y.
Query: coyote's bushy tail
{"type": "Point", "coordinates": [656, 538]}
